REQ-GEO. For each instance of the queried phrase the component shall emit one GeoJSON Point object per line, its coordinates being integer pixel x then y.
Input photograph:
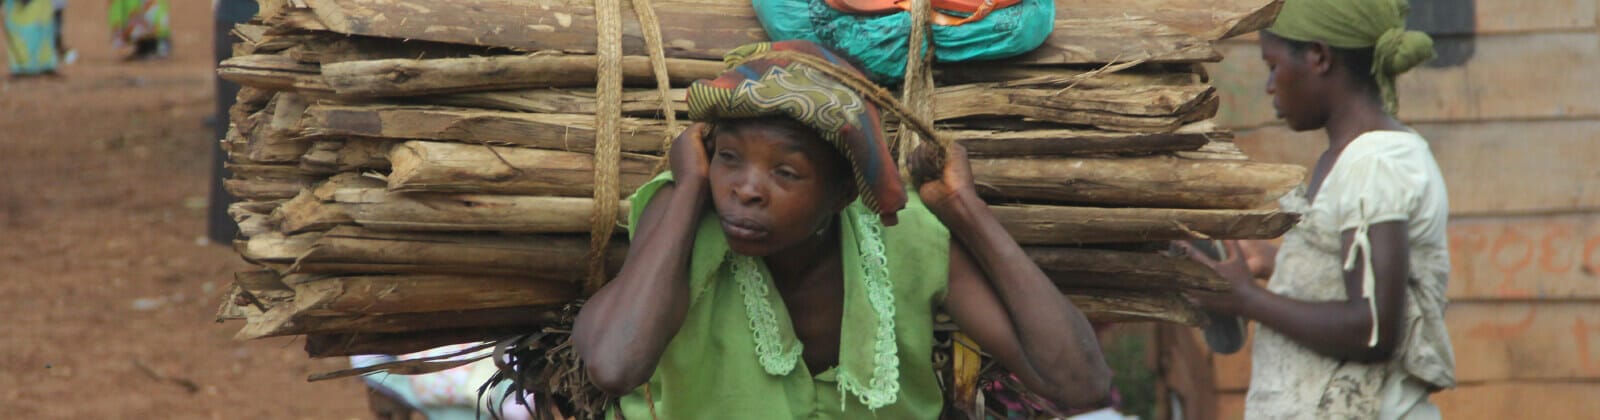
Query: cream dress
{"type": "Point", "coordinates": [1382, 176]}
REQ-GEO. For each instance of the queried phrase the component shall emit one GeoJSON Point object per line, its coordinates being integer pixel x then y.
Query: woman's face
{"type": "Point", "coordinates": [1294, 84]}
{"type": "Point", "coordinates": [774, 187]}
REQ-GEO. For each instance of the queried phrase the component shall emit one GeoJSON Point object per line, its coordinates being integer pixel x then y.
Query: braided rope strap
{"type": "Point", "coordinates": [608, 115]}
{"type": "Point", "coordinates": [608, 138]}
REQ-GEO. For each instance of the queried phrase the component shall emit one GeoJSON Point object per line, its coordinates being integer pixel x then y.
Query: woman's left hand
{"type": "Point", "coordinates": [942, 184]}
{"type": "Point", "coordinates": [1233, 269]}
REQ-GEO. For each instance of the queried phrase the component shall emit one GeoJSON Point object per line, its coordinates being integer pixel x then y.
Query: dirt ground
{"type": "Point", "coordinates": [107, 285]}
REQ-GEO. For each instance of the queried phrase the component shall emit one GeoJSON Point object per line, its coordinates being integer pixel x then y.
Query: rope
{"type": "Point", "coordinates": [651, 26]}
{"type": "Point", "coordinates": [608, 113]}
{"type": "Point", "coordinates": [608, 138]}
{"type": "Point", "coordinates": [918, 89]}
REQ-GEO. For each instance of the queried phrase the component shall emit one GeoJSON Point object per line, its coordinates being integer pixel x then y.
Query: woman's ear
{"type": "Point", "coordinates": [1319, 57]}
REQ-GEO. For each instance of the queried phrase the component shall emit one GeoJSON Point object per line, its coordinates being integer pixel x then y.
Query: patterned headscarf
{"type": "Point", "coordinates": [1378, 24]}
{"type": "Point", "coordinates": [766, 86]}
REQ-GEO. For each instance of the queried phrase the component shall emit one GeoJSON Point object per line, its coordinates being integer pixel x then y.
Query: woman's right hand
{"type": "Point", "coordinates": [1261, 256]}
{"type": "Point", "coordinates": [689, 158]}
{"type": "Point", "coordinates": [1233, 269]}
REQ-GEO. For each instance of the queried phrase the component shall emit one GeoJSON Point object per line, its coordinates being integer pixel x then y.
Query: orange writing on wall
{"type": "Point", "coordinates": [1548, 258]}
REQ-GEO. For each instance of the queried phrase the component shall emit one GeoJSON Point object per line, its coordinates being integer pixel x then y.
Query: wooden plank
{"type": "Point", "coordinates": [1539, 166]}
{"type": "Point", "coordinates": [341, 155]}
{"type": "Point", "coordinates": [1144, 108]}
{"type": "Point", "coordinates": [349, 295]}
{"type": "Point", "coordinates": [570, 132]}
{"type": "Point", "coordinates": [1497, 341]}
{"type": "Point", "coordinates": [1101, 306]}
{"type": "Point", "coordinates": [281, 321]}
{"type": "Point", "coordinates": [1208, 19]}
{"type": "Point", "coordinates": [305, 213]}
{"type": "Point", "coordinates": [328, 47]}
{"type": "Point", "coordinates": [1058, 141]}
{"type": "Point", "coordinates": [378, 209]}
{"type": "Point", "coordinates": [1073, 268]}
{"type": "Point", "coordinates": [364, 201]}
{"type": "Point", "coordinates": [1141, 108]}
{"type": "Point", "coordinates": [273, 72]}
{"type": "Point", "coordinates": [1494, 85]}
{"type": "Point", "coordinates": [293, 19]}
{"type": "Point", "coordinates": [704, 30]}
{"type": "Point", "coordinates": [255, 171]}
{"type": "Point", "coordinates": [252, 221]}
{"type": "Point", "coordinates": [1090, 225]}
{"type": "Point", "coordinates": [263, 284]}
{"type": "Point", "coordinates": [249, 101]}
{"type": "Point", "coordinates": [1166, 182]}
{"type": "Point", "coordinates": [1528, 400]}
{"type": "Point", "coordinates": [264, 189]}
{"type": "Point", "coordinates": [1117, 39]}
{"type": "Point", "coordinates": [1543, 258]}
{"type": "Point", "coordinates": [269, 135]}
{"type": "Point", "coordinates": [276, 247]}
{"type": "Point", "coordinates": [635, 102]}
{"type": "Point", "coordinates": [947, 74]}
{"type": "Point", "coordinates": [464, 168]}
{"type": "Point", "coordinates": [352, 249]}
{"type": "Point", "coordinates": [411, 77]}
{"type": "Point", "coordinates": [367, 202]}
{"type": "Point", "coordinates": [1107, 305]}
{"type": "Point", "coordinates": [432, 294]}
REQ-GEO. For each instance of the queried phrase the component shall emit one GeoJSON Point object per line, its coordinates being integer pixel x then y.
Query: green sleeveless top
{"type": "Point", "coordinates": [736, 355]}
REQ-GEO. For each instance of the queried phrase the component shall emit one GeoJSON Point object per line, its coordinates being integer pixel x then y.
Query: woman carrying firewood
{"type": "Point", "coordinates": [1353, 317]}
{"type": "Point", "coordinates": [782, 270]}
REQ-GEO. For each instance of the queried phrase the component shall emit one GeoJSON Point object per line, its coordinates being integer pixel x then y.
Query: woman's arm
{"type": "Point", "coordinates": [1000, 298]}
{"type": "Point", "coordinates": [1337, 329]}
{"type": "Point", "coordinates": [624, 328]}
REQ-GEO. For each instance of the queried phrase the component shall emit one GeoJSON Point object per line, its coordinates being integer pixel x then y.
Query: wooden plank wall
{"type": "Point", "coordinates": [1512, 110]}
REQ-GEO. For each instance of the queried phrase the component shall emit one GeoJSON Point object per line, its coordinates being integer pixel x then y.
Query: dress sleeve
{"type": "Point", "coordinates": [1378, 189]}
{"type": "Point", "coordinates": [1374, 188]}
{"type": "Point", "coordinates": [641, 198]}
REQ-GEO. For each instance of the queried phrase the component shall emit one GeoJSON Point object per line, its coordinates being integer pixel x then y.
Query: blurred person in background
{"type": "Point", "coordinates": [32, 33]}
{"type": "Point", "coordinates": [142, 24]}
{"type": "Point", "coordinates": [450, 394]}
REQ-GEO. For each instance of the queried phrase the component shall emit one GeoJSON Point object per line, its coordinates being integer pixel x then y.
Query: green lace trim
{"type": "Point", "coordinates": [883, 388]}
{"type": "Point", "coordinates": [763, 321]}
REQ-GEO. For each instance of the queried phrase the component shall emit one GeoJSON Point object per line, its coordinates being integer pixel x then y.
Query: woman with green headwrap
{"type": "Point", "coordinates": [1353, 317]}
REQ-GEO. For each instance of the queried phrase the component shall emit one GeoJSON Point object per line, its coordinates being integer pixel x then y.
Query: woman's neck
{"type": "Point", "coordinates": [1354, 116]}
{"type": "Point", "coordinates": [795, 263]}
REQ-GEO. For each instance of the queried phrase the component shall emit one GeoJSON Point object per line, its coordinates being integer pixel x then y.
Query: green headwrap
{"type": "Point", "coordinates": [1353, 24]}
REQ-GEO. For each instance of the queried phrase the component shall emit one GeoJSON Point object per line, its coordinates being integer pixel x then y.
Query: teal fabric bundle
{"type": "Point", "coordinates": [881, 43]}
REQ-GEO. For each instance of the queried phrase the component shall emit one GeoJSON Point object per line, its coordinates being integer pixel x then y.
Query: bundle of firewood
{"type": "Point", "coordinates": [419, 172]}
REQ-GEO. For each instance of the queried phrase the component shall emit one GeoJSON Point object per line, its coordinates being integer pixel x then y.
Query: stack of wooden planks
{"type": "Point", "coordinates": [416, 173]}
